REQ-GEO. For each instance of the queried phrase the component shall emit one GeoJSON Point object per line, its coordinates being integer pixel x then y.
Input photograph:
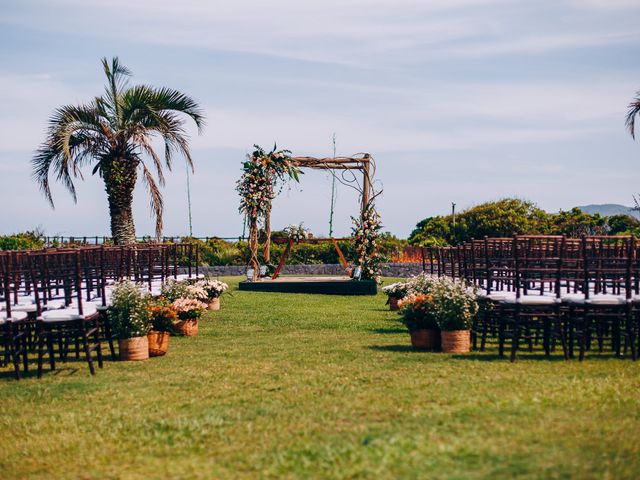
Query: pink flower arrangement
{"type": "Point", "coordinates": [189, 308]}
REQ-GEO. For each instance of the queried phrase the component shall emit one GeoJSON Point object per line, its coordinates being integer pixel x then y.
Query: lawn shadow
{"type": "Point", "coordinates": [527, 356]}
{"type": "Point", "coordinates": [395, 348]}
{"type": "Point", "coordinates": [64, 371]}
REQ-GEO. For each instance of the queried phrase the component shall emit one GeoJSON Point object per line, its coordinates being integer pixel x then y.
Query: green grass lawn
{"type": "Point", "coordinates": [302, 386]}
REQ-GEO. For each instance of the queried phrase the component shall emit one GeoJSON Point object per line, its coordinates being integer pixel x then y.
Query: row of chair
{"type": "Point", "coordinates": [576, 292]}
{"type": "Point", "coordinates": [56, 300]}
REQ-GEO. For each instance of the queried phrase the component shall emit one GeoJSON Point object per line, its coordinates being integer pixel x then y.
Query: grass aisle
{"type": "Point", "coordinates": [300, 386]}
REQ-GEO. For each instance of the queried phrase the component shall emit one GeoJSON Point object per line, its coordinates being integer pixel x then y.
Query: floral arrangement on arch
{"type": "Point", "coordinates": [261, 173]}
{"type": "Point", "coordinates": [213, 288]}
{"type": "Point", "coordinates": [366, 231]}
{"type": "Point", "coordinates": [297, 233]}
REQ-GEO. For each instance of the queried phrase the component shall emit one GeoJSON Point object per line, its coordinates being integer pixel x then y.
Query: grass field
{"type": "Point", "coordinates": [301, 386]}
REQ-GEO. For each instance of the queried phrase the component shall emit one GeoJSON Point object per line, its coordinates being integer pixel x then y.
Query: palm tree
{"type": "Point", "coordinates": [634, 110]}
{"type": "Point", "coordinates": [114, 135]}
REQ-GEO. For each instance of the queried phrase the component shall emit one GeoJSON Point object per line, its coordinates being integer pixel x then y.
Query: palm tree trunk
{"type": "Point", "coordinates": [120, 180]}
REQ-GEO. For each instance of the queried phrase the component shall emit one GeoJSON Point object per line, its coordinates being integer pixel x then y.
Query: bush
{"type": "Point", "coordinates": [22, 241]}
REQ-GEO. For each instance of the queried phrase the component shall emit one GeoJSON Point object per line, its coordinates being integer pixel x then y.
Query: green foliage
{"type": "Point", "coordinates": [512, 216]}
{"type": "Point", "coordinates": [623, 224]}
{"type": "Point", "coordinates": [22, 241]}
{"type": "Point", "coordinates": [575, 223]}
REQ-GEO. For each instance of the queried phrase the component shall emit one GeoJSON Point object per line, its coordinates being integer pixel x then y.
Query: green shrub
{"type": "Point", "coordinates": [22, 241]}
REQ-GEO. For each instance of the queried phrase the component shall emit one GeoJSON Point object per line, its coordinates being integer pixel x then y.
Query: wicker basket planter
{"type": "Point", "coordinates": [424, 339]}
{"type": "Point", "coordinates": [214, 304]}
{"type": "Point", "coordinates": [188, 328]}
{"type": "Point", "coordinates": [136, 348]}
{"type": "Point", "coordinates": [158, 343]}
{"type": "Point", "coordinates": [393, 303]}
{"type": "Point", "coordinates": [456, 341]}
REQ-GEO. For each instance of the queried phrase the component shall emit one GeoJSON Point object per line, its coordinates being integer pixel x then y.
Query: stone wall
{"type": "Point", "coordinates": [388, 270]}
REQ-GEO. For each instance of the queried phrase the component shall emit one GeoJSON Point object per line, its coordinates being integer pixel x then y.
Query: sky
{"type": "Point", "coordinates": [459, 101]}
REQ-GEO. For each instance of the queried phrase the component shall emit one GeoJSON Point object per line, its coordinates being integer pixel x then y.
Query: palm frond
{"type": "Point", "coordinates": [634, 110]}
{"type": "Point", "coordinates": [117, 81]}
{"type": "Point", "coordinates": [146, 147]}
{"type": "Point", "coordinates": [156, 203]}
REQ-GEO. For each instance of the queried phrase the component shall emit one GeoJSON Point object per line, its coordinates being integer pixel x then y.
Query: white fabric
{"type": "Point", "coordinates": [68, 314]}
{"type": "Point", "coordinates": [15, 317]}
{"type": "Point", "coordinates": [533, 300]}
{"type": "Point", "coordinates": [501, 296]}
{"type": "Point", "coordinates": [24, 308]}
{"type": "Point", "coordinates": [606, 300]}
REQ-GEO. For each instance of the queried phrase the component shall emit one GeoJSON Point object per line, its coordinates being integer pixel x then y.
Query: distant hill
{"type": "Point", "coordinates": [608, 209]}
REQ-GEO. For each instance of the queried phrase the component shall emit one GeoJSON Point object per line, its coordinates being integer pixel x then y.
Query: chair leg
{"type": "Point", "coordinates": [584, 334]}
{"type": "Point", "coordinates": [25, 352]}
{"type": "Point", "coordinates": [515, 339]}
{"type": "Point", "coordinates": [40, 337]}
{"type": "Point", "coordinates": [629, 335]}
{"type": "Point", "coordinates": [87, 349]}
{"type": "Point", "coordinates": [97, 340]}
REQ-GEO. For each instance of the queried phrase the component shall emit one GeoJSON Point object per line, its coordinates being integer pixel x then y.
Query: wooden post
{"type": "Point", "coordinates": [253, 248]}
{"type": "Point", "coordinates": [266, 252]}
{"type": "Point", "coordinates": [366, 186]}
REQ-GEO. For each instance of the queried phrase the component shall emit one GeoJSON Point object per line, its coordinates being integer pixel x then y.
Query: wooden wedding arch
{"type": "Point", "coordinates": [361, 163]}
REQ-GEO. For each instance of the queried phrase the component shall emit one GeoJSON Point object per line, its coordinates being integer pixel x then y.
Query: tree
{"type": "Point", "coordinates": [432, 232]}
{"type": "Point", "coordinates": [622, 224]}
{"type": "Point", "coordinates": [114, 134]}
{"type": "Point", "coordinates": [575, 223]}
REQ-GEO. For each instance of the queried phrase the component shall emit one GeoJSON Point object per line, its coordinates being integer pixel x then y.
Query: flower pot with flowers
{"type": "Point", "coordinates": [129, 314]}
{"type": "Point", "coordinates": [189, 311]}
{"type": "Point", "coordinates": [172, 290]}
{"type": "Point", "coordinates": [455, 305]}
{"type": "Point", "coordinates": [214, 290]}
{"type": "Point", "coordinates": [395, 292]}
{"type": "Point", "coordinates": [419, 317]}
{"type": "Point", "coordinates": [163, 319]}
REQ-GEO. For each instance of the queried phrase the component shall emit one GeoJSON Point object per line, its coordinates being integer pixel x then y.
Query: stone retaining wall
{"type": "Point", "coordinates": [388, 270]}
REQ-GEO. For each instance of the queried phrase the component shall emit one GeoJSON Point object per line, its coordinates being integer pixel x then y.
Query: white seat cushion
{"type": "Point", "coordinates": [69, 314]}
{"type": "Point", "coordinates": [533, 300]}
{"type": "Point", "coordinates": [501, 296]}
{"type": "Point", "coordinates": [15, 317]}
{"type": "Point", "coordinates": [573, 298]}
{"type": "Point", "coordinates": [24, 308]}
{"type": "Point", "coordinates": [606, 300]}
{"type": "Point", "coordinates": [22, 302]}
{"type": "Point", "coordinates": [53, 304]}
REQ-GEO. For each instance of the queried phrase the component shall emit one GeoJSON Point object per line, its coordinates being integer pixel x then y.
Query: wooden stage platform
{"type": "Point", "coordinates": [328, 285]}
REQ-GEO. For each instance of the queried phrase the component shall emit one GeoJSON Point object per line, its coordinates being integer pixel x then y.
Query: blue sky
{"type": "Point", "coordinates": [458, 101]}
